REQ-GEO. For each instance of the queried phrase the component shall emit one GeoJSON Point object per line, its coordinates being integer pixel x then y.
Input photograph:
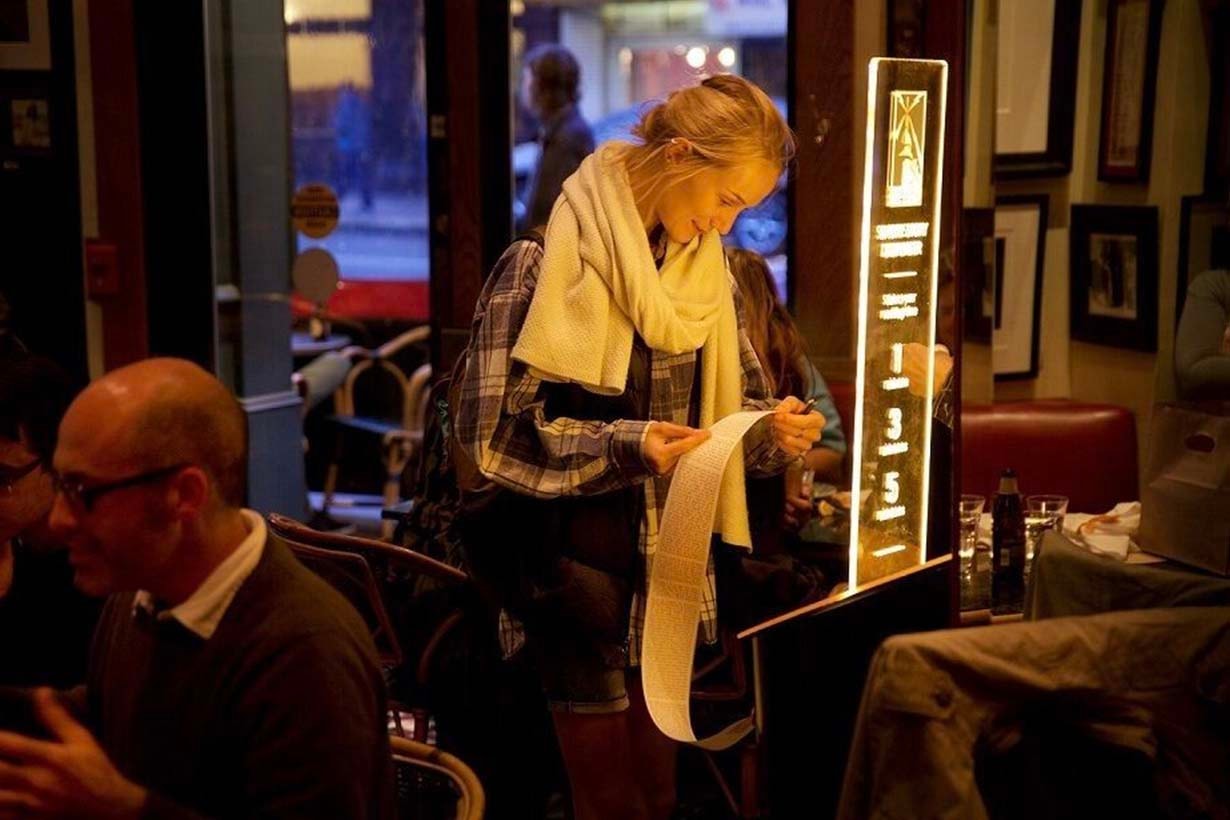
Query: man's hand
{"type": "Point", "coordinates": [665, 443]}
{"type": "Point", "coordinates": [914, 367]}
{"type": "Point", "coordinates": [795, 433]}
{"type": "Point", "coordinates": [66, 777]}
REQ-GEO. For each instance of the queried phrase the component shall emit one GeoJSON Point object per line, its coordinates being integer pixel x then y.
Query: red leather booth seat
{"type": "Point", "coordinates": [1084, 451]}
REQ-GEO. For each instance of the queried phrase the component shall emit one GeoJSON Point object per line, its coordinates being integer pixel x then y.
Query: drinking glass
{"type": "Point", "coordinates": [970, 511]}
{"type": "Point", "coordinates": [1042, 513]}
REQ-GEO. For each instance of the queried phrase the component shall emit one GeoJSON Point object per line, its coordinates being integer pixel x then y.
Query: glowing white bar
{"type": "Point", "coordinates": [902, 230]}
{"type": "Point", "coordinates": [883, 551]}
{"type": "Point", "coordinates": [901, 274]}
{"type": "Point", "coordinates": [889, 513]}
{"type": "Point", "coordinates": [895, 449]}
{"type": "Point", "coordinates": [863, 283]}
{"type": "Point", "coordinates": [896, 383]}
{"type": "Point", "coordinates": [901, 250]}
{"type": "Point", "coordinates": [935, 280]}
{"type": "Point", "coordinates": [897, 361]}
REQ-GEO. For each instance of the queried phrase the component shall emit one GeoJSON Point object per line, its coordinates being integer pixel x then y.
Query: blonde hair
{"type": "Point", "coordinates": [727, 120]}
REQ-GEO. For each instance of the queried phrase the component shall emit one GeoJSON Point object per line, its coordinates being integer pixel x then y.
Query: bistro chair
{"type": "Point", "coordinates": [378, 402]}
{"type": "Point", "coordinates": [363, 570]}
{"type": "Point", "coordinates": [432, 783]}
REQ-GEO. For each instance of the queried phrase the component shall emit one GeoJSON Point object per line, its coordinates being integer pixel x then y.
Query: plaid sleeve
{"type": "Point", "coordinates": [761, 455]}
{"type": "Point", "coordinates": [502, 419]}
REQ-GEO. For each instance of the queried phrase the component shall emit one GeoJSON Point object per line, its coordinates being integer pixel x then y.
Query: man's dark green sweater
{"type": "Point", "coordinates": [281, 713]}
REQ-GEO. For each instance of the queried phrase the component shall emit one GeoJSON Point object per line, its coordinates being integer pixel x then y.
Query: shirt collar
{"type": "Point", "coordinates": [203, 610]}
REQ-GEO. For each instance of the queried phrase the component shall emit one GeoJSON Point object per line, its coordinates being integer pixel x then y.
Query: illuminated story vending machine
{"type": "Point", "coordinates": [903, 177]}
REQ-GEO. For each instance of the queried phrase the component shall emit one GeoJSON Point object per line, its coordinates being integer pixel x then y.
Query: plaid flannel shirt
{"type": "Point", "coordinates": [502, 422]}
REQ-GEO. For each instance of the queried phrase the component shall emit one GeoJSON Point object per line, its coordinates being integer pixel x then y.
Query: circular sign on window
{"type": "Point", "coordinates": [315, 275]}
{"type": "Point", "coordinates": [314, 210]}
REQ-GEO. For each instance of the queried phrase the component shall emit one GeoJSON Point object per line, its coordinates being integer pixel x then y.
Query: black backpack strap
{"type": "Point", "coordinates": [535, 235]}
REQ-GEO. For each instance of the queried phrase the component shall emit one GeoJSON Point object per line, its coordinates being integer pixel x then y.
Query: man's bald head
{"type": "Point", "coordinates": [161, 412]}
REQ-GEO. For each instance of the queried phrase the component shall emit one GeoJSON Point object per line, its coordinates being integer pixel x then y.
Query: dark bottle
{"type": "Point", "coordinates": [1007, 547]}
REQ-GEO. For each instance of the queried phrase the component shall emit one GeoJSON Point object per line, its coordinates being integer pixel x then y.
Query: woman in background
{"type": "Point", "coordinates": [789, 371]}
{"type": "Point", "coordinates": [1202, 346]}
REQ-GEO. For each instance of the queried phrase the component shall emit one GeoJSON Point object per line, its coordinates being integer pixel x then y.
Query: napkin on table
{"type": "Point", "coordinates": [1110, 534]}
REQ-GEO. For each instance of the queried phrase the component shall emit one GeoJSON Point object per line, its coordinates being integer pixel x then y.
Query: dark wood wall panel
{"type": "Point", "coordinates": [117, 153]}
{"type": "Point", "coordinates": [823, 228]}
{"type": "Point", "coordinates": [469, 160]}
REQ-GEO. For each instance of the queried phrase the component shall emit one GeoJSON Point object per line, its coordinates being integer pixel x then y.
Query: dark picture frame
{"type": "Point", "coordinates": [1012, 161]}
{"type": "Point", "coordinates": [1129, 85]}
{"type": "Point", "coordinates": [1020, 262]}
{"type": "Point", "coordinates": [978, 273]}
{"type": "Point", "coordinates": [25, 36]}
{"type": "Point", "coordinates": [1204, 242]}
{"type": "Point", "coordinates": [1114, 275]}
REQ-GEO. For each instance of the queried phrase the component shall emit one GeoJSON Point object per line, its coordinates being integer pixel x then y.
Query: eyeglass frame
{"type": "Point", "coordinates": [77, 494]}
{"type": "Point", "coordinates": [8, 480]}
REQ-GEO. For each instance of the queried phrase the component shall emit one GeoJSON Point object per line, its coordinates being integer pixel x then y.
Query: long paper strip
{"type": "Point", "coordinates": [677, 579]}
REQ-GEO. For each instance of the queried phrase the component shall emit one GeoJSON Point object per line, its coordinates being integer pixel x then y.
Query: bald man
{"type": "Point", "coordinates": [225, 679]}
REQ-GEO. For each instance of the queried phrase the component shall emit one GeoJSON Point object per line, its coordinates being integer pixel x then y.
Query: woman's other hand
{"type": "Point", "coordinates": [665, 443]}
{"type": "Point", "coordinates": [795, 433]}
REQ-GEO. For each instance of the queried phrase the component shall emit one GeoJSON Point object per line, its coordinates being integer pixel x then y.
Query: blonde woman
{"type": "Point", "coordinates": [597, 358]}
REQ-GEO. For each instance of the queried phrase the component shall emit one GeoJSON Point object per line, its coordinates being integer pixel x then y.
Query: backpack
{"type": "Point", "coordinates": [442, 477]}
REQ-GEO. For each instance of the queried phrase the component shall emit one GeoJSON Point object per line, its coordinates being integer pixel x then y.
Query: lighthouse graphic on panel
{"type": "Point", "coordinates": [905, 149]}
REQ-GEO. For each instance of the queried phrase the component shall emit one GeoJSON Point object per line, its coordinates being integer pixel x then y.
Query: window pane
{"type": "Point", "coordinates": [358, 120]}
{"type": "Point", "coordinates": [630, 53]}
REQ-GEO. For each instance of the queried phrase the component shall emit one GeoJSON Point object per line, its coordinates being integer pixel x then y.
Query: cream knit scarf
{"type": "Point", "coordinates": [583, 316]}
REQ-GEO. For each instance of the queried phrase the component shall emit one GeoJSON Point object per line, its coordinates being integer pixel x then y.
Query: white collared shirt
{"type": "Point", "coordinates": [203, 610]}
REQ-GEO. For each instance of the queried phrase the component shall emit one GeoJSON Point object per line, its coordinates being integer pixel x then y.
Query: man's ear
{"type": "Point", "coordinates": [193, 486]}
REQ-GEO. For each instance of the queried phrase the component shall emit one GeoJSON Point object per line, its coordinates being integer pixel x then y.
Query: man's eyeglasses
{"type": "Point", "coordinates": [9, 476]}
{"type": "Point", "coordinates": [83, 496]}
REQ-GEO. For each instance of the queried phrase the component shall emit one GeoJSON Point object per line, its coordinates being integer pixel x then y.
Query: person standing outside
{"type": "Point", "coordinates": [551, 89]}
{"type": "Point", "coordinates": [352, 136]}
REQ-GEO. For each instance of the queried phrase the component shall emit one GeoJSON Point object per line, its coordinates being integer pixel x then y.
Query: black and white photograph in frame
{"type": "Point", "coordinates": [1020, 249]}
{"type": "Point", "coordinates": [1114, 261]}
{"type": "Point", "coordinates": [1112, 275]}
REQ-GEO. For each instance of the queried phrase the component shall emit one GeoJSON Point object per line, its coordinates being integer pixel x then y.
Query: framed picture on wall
{"type": "Point", "coordinates": [1020, 250]}
{"type": "Point", "coordinates": [1114, 276]}
{"type": "Point", "coordinates": [978, 273]}
{"type": "Point", "coordinates": [1133, 34]}
{"type": "Point", "coordinates": [1035, 87]}
{"type": "Point", "coordinates": [25, 35]}
{"type": "Point", "coordinates": [1204, 242]}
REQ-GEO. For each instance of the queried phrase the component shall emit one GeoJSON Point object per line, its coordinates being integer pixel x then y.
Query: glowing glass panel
{"type": "Point", "coordinates": [891, 444]}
